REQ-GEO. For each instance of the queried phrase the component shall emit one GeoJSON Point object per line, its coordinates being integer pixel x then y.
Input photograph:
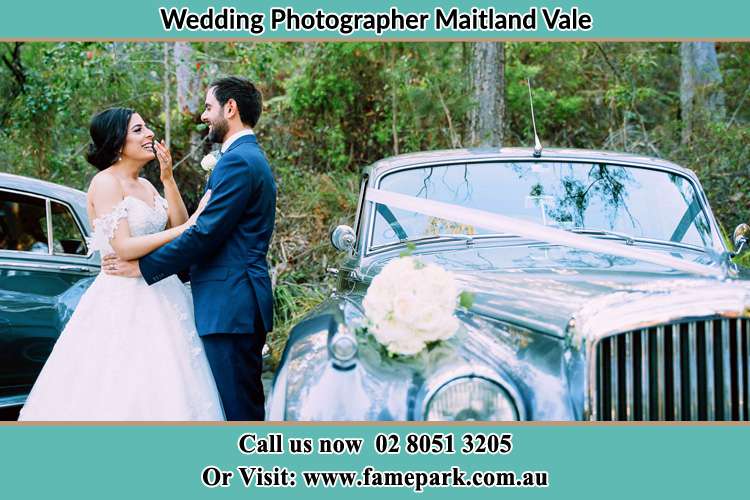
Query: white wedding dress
{"type": "Point", "coordinates": [130, 351]}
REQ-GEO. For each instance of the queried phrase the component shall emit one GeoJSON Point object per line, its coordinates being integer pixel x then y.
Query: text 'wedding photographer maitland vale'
{"type": "Point", "coordinates": [393, 20]}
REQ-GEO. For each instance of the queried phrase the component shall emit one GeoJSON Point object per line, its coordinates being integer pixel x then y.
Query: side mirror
{"type": "Point", "coordinates": [741, 237]}
{"type": "Point", "coordinates": [343, 238]}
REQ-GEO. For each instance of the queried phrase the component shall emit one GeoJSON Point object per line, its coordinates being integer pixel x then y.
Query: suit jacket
{"type": "Point", "coordinates": [226, 249]}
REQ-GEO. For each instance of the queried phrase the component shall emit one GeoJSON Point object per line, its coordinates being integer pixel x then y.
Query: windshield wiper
{"type": "Point", "coordinates": [631, 240]}
{"type": "Point", "coordinates": [628, 239]}
{"type": "Point", "coordinates": [468, 238]}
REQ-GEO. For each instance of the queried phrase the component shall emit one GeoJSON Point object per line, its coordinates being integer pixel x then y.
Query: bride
{"type": "Point", "coordinates": [130, 351]}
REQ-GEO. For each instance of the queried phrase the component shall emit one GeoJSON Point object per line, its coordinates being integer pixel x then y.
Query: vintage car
{"type": "Point", "coordinates": [45, 265]}
{"type": "Point", "coordinates": [602, 288]}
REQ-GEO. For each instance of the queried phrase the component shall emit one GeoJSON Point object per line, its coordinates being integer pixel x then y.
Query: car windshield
{"type": "Point", "coordinates": [584, 197]}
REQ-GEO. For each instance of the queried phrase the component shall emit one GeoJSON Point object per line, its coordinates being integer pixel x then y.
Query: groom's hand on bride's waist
{"type": "Point", "coordinates": [115, 266]}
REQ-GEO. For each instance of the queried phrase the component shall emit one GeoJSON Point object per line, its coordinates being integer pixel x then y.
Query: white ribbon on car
{"type": "Point", "coordinates": [532, 230]}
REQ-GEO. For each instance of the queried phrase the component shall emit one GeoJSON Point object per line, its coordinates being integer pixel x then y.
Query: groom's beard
{"type": "Point", "coordinates": [218, 131]}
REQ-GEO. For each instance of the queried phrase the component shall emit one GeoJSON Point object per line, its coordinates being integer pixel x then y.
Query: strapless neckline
{"type": "Point", "coordinates": [155, 200]}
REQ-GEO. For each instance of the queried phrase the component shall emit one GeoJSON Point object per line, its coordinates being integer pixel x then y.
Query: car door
{"type": "Point", "coordinates": [45, 266]}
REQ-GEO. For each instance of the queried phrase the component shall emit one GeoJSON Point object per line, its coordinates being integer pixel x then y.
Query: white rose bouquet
{"type": "Point", "coordinates": [411, 304]}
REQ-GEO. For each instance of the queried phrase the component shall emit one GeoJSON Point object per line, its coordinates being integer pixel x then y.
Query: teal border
{"type": "Point", "coordinates": [140, 20]}
{"type": "Point", "coordinates": [583, 461]}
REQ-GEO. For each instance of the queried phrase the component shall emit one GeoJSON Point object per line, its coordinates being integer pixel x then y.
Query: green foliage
{"type": "Point", "coordinates": [409, 251]}
{"type": "Point", "coordinates": [466, 299]}
{"type": "Point", "coordinates": [350, 104]}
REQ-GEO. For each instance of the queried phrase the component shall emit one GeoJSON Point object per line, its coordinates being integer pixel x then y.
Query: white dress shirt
{"type": "Point", "coordinates": [225, 145]}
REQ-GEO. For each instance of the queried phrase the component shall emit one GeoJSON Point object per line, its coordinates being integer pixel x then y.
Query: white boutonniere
{"type": "Point", "coordinates": [209, 162]}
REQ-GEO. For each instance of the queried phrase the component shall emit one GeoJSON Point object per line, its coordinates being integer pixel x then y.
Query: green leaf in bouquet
{"type": "Point", "coordinates": [410, 247]}
{"type": "Point", "coordinates": [466, 299]}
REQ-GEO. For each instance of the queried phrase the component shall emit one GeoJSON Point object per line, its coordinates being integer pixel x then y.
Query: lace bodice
{"type": "Point", "coordinates": [142, 219]}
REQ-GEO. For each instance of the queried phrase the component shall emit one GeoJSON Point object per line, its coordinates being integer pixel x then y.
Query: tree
{"type": "Point", "coordinates": [189, 91]}
{"type": "Point", "coordinates": [11, 59]}
{"type": "Point", "coordinates": [167, 100]}
{"type": "Point", "coordinates": [701, 95]}
{"type": "Point", "coordinates": [487, 73]}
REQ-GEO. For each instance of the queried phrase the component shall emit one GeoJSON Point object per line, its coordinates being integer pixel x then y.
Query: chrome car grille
{"type": "Point", "coordinates": [693, 370]}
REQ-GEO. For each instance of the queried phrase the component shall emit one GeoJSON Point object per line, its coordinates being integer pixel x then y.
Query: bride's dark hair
{"type": "Point", "coordinates": [108, 131]}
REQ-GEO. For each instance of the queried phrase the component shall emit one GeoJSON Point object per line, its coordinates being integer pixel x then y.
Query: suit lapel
{"type": "Point", "coordinates": [242, 140]}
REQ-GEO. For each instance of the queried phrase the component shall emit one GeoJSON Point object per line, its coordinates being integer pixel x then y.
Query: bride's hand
{"type": "Point", "coordinates": [201, 206]}
{"type": "Point", "coordinates": [165, 161]}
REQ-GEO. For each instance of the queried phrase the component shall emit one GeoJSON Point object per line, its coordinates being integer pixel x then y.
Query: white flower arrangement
{"type": "Point", "coordinates": [209, 162]}
{"type": "Point", "coordinates": [411, 304]}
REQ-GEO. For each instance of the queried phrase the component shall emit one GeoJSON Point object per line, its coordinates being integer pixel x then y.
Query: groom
{"type": "Point", "coordinates": [226, 251]}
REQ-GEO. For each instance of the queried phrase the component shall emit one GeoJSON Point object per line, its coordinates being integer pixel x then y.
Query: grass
{"type": "Point", "coordinates": [309, 205]}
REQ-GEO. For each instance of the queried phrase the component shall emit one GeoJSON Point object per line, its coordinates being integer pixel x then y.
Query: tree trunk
{"type": "Point", "coordinates": [167, 100]}
{"type": "Point", "coordinates": [701, 96]}
{"type": "Point", "coordinates": [188, 80]}
{"type": "Point", "coordinates": [189, 92]}
{"type": "Point", "coordinates": [487, 69]}
{"type": "Point", "coordinates": [394, 97]}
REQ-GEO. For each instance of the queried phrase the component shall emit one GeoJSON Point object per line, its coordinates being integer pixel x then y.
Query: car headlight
{"type": "Point", "coordinates": [342, 348]}
{"type": "Point", "coordinates": [470, 398]}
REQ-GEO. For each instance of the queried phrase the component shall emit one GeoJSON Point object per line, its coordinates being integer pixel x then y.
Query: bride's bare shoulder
{"type": "Point", "coordinates": [104, 190]}
{"type": "Point", "coordinates": [103, 182]}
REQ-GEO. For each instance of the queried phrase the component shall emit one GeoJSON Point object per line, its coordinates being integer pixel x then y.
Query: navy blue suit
{"type": "Point", "coordinates": [226, 254]}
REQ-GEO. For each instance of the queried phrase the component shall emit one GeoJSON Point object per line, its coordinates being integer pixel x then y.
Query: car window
{"type": "Point", "coordinates": [66, 234]}
{"type": "Point", "coordinates": [639, 202]}
{"type": "Point", "coordinates": [23, 223]}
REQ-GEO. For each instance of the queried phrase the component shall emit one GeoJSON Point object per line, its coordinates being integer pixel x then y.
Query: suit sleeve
{"type": "Point", "coordinates": [230, 192]}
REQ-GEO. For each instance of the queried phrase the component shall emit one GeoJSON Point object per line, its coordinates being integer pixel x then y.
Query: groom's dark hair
{"type": "Point", "coordinates": [248, 98]}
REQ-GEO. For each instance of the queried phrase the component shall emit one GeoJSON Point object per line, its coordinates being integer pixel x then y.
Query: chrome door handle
{"type": "Point", "coordinates": [75, 269]}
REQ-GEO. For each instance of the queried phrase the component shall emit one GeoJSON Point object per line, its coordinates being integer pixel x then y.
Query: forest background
{"type": "Point", "coordinates": [332, 108]}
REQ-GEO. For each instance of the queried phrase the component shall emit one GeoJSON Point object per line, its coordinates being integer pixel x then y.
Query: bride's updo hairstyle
{"type": "Point", "coordinates": [108, 131]}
